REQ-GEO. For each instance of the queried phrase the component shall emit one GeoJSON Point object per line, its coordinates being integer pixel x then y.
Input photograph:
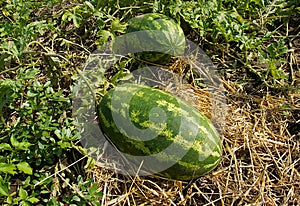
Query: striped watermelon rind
{"type": "Point", "coordinates": [171, 41]}
{"type": "Point", "coordinates": [126, 117]}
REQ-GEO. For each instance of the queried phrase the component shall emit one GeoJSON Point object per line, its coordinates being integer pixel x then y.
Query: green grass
{"type": "Point", "coordinates": [44, 44]}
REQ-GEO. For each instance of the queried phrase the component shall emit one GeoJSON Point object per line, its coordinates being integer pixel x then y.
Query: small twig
{"type": "Point", "coordinates": [62, 169]}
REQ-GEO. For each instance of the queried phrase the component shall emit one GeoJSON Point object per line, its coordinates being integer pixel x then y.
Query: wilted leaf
{"type": "Point", "coordinates": [117, 26]}
{"type": "Point", "coordinates": [104, 37]}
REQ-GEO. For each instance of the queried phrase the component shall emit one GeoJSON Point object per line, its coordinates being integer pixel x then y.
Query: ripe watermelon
{"type": "Point", "coordinates": [170, 137]}
{"type": "Point", "coordinates": [169, 42]}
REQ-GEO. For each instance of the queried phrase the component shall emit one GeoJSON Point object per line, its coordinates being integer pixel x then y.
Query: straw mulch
{"type": "Point", "coordinates": [260, 163]}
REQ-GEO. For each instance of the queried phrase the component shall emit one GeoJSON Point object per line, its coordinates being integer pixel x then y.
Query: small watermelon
{"type": "Point", "coordinates": [169, 42]}
{"type": "Point", "coordinates": [170, 137]}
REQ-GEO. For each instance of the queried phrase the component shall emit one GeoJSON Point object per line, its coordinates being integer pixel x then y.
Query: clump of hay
{"type": "Point", "coordinates": [260, 163]}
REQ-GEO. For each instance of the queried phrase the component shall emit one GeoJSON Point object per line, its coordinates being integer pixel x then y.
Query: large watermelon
{"type": "Point", "coordinates": [169, 42]}
{"type": "Point", "coordinates": [171, 138]}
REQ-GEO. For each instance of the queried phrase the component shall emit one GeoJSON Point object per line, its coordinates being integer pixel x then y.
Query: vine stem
{"type": "Point", "coordinates": [87, 82]}
{"type": "Point", "coordinates": [77, 70]}
{"type": "Point", "coordinates": [9, 70]}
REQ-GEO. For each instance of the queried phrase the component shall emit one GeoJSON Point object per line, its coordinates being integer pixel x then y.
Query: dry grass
{"type": "Point", "coordinates": [260, 163]}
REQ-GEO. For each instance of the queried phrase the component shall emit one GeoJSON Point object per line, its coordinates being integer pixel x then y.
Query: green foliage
{"type": "Point", "coordinates": [88, 193]}
{"type": "Point", "coordinates": [18, 29]}
{"type": "Point", "coordinates": [237, 30]}
{"type": "Point", "coordinates": [35, 131]}
{"type": "Point", "coordinates": [272, 57]}
{"type": "Point", "coordinates": [36, 127]}
{"type": "Point", "coordinates": [243, 30]}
